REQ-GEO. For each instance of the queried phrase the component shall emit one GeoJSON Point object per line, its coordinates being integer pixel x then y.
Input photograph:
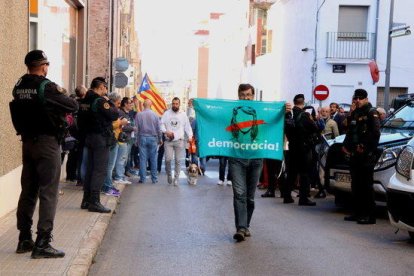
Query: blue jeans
{"type": "Point", "coordinates": [113, 152]}
{"type": "Point", "coordinates": [129, 164]}
{"type": "Point", "coordinates": [148, 150]}
{"type": "Point", "coordinates": [245, 173]}
{"type": "Point", "coordinates": [121, 160]}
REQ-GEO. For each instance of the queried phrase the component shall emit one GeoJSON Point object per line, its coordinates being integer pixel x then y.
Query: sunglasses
{"type": "Point", "coordinates": [358, 98]}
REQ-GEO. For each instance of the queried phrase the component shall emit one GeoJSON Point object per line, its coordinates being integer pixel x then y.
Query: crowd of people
{"type": "Point", "coordinates": [109, 142]}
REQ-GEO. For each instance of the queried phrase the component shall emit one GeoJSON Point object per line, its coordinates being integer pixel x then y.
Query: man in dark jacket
{"type": "Point", "coordinates": [38, 114]}
{"type": "Point", "coordinates": [360, 145]}
{"type": "Point", "coordinates": [301, 141]}
{"type": "Point", "coordinates": [97, 114]}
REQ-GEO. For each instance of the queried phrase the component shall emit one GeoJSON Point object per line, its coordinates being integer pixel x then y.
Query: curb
{"type": "Point", "coordinates": [89, 246]}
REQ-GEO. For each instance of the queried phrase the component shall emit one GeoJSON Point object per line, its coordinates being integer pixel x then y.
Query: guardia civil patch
{"type": "Point", "coordinates": [106, 105]}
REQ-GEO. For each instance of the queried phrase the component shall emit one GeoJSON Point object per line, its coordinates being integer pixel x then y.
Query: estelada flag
{"type": "Point", "coordinates": [147, 90]}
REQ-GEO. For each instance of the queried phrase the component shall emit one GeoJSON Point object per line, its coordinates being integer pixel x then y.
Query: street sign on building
{"type": "Point", "coordinates": [321, 92]}
{"type": "Point", "coordinates": [121, 64]}
{"type": "Point", "coordinates": [120, 80]}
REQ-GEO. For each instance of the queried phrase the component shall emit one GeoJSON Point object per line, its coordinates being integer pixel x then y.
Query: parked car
{"type": "Point", "coordinates": [400, 100]}
{"type": "Point", "coordinates": [345, 106]}
{"type": "Point", "coordinates": [395, 134]}
{"type": "Point", "coordinates": [400, 192]}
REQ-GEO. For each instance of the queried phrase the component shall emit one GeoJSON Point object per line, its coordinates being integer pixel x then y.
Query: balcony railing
{"type": "Point", "coordinates": [350, 45]}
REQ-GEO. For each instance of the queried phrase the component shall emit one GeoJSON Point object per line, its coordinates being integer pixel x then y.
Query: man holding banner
{"type": "Point", "coordinates": [246, 131]}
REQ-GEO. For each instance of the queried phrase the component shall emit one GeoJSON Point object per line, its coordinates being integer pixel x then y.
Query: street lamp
{"type": "Point", "coordinates": [394, 30]}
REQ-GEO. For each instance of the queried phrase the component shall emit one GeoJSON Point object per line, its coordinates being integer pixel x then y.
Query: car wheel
{"type": "Point", "coordinates": [411, 234]}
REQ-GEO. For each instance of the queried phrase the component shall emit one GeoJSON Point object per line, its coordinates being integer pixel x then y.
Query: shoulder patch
{"type": "Point", "coordinates": [59, 88]}
{"type": "Point", "coordinates": [106, 105]}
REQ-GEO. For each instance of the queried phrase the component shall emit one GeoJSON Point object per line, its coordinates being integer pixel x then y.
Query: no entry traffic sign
{"type": "Point", "coordinates": [321, 92]}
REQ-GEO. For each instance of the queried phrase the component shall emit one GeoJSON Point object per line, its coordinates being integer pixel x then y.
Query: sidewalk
{"type": "Point", "coordinates": [77, 232]}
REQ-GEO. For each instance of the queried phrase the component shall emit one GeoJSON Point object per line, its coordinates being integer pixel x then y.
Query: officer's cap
{"type": "Point", "coordinates": [360, 94]}
{"type": "Point", "coordinates": [298, 96]}
{"type": "Point", "coordinates": [35, 58]}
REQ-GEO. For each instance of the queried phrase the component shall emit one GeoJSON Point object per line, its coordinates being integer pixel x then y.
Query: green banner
{"type": "Point", "coordinates": [240, 129]}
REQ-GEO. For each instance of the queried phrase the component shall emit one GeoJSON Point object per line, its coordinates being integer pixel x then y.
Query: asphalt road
{"type": "Point", "coordinates": [187, 230]}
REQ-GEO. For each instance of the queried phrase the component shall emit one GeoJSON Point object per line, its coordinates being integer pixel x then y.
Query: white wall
{"type": "Point", "coordinates": [227, 42]}
{"type": "Point", "coordinates": [287, 70]}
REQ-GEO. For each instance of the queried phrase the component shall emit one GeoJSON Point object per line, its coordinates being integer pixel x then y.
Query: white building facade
{"type": "Point", "coordinates": [307, 43]}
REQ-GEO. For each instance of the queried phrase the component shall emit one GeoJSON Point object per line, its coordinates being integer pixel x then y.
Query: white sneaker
{"type": "Point", "coordinates": [220, 182]}
{"type": "Point", "coordinates": [229, 183]}
{"type": "Point", "coordinates": [175, 182]}
{"type": "Point", "coordinates": [122, 181]}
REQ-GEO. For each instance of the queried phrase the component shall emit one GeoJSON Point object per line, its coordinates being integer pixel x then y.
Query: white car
{"type": "Point", "coordinates": [334, 167]}
{"type": "Point", "coordinates": [400, 192]}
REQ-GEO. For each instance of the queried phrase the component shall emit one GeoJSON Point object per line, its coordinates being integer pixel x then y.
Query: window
{"type": "Point", "coordinates": [352, 21]}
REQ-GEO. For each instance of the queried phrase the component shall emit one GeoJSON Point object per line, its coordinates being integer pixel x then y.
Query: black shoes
{"type": "Point", "coordinates": [306, 202]}
{"type": "Point", "coordinates": [287, 200]}
{"type": "Point", "coordinates": [320, 194]}
{"type": "Point", "coordinates": [247, 233]}
{"type": "Point", "coordinates": [98, 207]}
{"type": "Point", "coordinates": [367, 220]}
{"type": "Point", "coordinates": [240, 234]}
{"type": "Point", "coordinates": [351, 218]}
{"type": "Point", "coordinates": [84, 204]}
{"type": "Point", "coordinates": [25, 246]}
{"type": "Point", "coordinates": [361, 220]}
{"type": "Point", "coordinates": [46, 252]}
{"type": "Point", "coordinates": [268, 194]}
{"type": "Point", "coordinates": [42, 248]}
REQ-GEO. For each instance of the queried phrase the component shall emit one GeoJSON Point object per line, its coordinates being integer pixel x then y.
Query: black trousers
{"type": "Point", "coordinates": [72, 164]}
{"type": "Point", "coordinates": [40, 179]}
{"type": "Point", "coordinates": [97, 163]}
{"type": "Point", "coordinates": [273, 170]}
{"type": "Point", "coordinates": [362, 180]}
{"type": "Point", "coordinates": [160, 157]}
{"type": "Point", "coordinates": [299, 163]}
{"type": "Point", "coordinates": [222, 168]}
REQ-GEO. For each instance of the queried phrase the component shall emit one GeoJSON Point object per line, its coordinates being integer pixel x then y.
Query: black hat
{"type": "Point", "coordinates": [361, 94]}
{"type": "Point", "coordinates": [35, 58]}
{"type": "Point", "coordinates": [298, 96]}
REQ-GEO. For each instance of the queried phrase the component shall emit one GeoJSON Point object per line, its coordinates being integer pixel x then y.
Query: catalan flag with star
{"type": "Point", "coordinates": [147, 90]}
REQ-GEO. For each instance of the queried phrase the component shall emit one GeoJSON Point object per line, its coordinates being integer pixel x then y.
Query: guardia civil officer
{"type": "Point", "coordinates": [38, 114]}
{"type": "Point", "coordinates": [97, 113]}
{"type": "Point", "coordinates": [300, 152]}
{"type": "Point", "coordinates": [360, 146]}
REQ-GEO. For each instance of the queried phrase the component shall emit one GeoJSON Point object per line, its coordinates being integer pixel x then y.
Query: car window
{"type": "Point", "coordinates": [404, 118]}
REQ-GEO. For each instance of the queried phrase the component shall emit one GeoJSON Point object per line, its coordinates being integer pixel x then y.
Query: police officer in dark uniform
{"type": "Point", "coordinates": [38, 114]}
{"type": "Point", "coordinates": [97, 113]}
{"type": "Point", "coordinates": [300, 138]}
{"type": "Point", "coordinates": [360, 145]}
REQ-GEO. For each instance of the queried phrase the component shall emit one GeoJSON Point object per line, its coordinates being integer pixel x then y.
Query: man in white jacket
{"type": "Point", "coordinates": [174, 124]}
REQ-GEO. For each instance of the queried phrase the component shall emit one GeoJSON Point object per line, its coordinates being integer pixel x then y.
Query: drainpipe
{"type": "Point", "coordinates": [111, 46]}
{"type": "Point", "coordinates": [315, 52]}
{"type": "Point", "coordinates": [87, 47]}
